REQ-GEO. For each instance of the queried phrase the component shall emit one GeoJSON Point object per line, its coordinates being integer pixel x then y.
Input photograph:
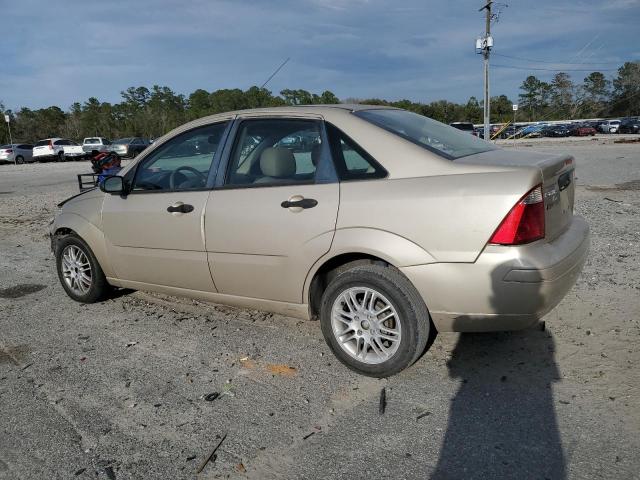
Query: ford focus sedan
{"type": "Point", "coordinates": [385, 225]}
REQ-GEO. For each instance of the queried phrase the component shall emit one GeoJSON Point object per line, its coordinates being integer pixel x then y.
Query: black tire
{"type": "Point", "coordinates": [417, 330]}
{"type": "Point", "coordinates": [19, 159]}
{"type": "Point", "coordinates": [99, 287]}
{"type": "Point", "coordinates": [60, 156]}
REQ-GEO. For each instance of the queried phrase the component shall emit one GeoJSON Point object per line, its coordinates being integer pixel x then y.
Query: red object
{"type": "Point", "coordinates": [524, 223]}
{"type": "Point", "coordinates": [50, 145]}
{"type": "Point", "coordinates": [8, 150]}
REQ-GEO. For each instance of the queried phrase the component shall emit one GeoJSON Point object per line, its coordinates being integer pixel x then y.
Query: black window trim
{"type": "Point", "coordinates": [215, 162]}
{"type": "Point", "coordinates": [221, 177]}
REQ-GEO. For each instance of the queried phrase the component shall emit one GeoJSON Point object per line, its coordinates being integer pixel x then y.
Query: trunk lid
{"type": "Point", "coordinates": [558, 184]}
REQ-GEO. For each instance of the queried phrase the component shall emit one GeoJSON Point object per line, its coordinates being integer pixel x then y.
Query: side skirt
{"type": "Point", "coordinates": [296, 310]}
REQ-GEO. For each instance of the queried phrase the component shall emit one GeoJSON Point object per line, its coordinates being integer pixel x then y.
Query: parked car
{"type": "Point", "coordinates": [609, 126]}
{"type": "Point", "coordinates": [59, 149]}
{"type": "Point", "coordinates": [128, 147]}
{"type": "Point", "coordinates": [582, 130]}
{"type": "Point", "coordinates": [16, 153]}
{"type": "Point", "coordinates": [629, 125]}
{"type": "Point", "coordinates": [464, 126]}
{"type": "Point", "coordinates": [532, 131]}
{"type": "Point", "coordinates": [555, 131]}
{"type": "Point", "coordinates": [390, 229]}
{"type": "Point", "coordinates": [95, 144]}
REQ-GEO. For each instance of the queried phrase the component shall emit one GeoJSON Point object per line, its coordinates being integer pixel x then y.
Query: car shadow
{"type": "Point", "coordinates": [502, 421]}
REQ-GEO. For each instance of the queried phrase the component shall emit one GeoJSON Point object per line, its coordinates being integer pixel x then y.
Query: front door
{"type": "Point", "coordinates": [155, 234]}
{"type": "Point", "coordinates": [275, 213]}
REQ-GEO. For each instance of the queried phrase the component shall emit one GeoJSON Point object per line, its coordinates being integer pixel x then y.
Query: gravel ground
{"type": "Point", "coordinates": [117, 389]}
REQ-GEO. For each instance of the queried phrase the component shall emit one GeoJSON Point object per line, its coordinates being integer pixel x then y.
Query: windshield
{"type": "Point", "coordinates": [42, 143]}
{"type": "Point", "coordinates": [447, 141]}
{"type": "Point", "coordinates": [123, 140]}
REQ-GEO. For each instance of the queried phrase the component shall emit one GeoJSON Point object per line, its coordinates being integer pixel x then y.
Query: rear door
{"type": "Point", "coordinates": [155, 235]}
{"type": "Point", "coordinates": [273, 213]}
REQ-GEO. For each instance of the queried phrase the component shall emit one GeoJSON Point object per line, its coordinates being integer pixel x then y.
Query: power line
{"type": "Point", "coordinates": [553, 63]}
{"type": "Point", "coordinates": [555, 69]}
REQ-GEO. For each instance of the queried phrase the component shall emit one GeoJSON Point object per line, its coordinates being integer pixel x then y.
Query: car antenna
{"type": "Point", "coordinates": [274, 73]}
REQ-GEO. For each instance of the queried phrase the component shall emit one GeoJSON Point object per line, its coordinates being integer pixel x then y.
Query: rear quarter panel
{"type": "Point", "coordinates": [450, 217]}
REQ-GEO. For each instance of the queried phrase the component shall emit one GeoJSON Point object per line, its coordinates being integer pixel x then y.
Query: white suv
{"type": "Point", "coordinates": [59, 149]}
{"type": "Point", "coordinates": [99, 144]}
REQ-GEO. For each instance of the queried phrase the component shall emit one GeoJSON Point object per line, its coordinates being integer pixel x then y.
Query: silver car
{"type": "Point", "coordinates": [385, 225]}
{"type": "Point", "coordinates": [16, 153]}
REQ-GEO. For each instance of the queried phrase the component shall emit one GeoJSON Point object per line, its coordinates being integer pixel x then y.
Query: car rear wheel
{"type": "Point", "coordinates": [374, 320]}
{"type": "Point", "coordinates": [20, 159]}
{"type": "Point", "coordinates": [60, 156]}
{"type": "Point", "coordinates": [79, 271]}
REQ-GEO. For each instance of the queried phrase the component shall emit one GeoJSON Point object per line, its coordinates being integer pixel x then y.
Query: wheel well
{"type": "Point", "coordinates": [329, 270]}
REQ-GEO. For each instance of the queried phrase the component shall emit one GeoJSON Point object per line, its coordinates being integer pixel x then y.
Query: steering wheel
{"type": "Point", "coordinates": [172, 177]}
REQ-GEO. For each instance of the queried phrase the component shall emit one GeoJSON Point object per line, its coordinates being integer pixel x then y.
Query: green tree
{"type": "Point", "coordinates": [626, 90]}
{"type": "Point", "coordinates": [596, 91]}
{"type": "Point", "coordinates": [562, 96]}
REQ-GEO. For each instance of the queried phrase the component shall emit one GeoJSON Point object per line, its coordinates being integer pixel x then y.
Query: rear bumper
{"type": "Point", "coordinates": [507, 288]}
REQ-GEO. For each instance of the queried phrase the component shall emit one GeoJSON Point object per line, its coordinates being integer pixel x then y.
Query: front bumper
{"type": "Point", "coordinates": [507, 288]}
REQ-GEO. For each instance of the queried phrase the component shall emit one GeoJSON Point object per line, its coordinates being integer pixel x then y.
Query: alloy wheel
{"type": "Point", "coordinates": [366, 325]}
{"type": "Point", "coordinates": [76, 270]}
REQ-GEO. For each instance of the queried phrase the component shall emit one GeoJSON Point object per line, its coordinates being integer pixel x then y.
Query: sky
{"type": "Point", "coordinates": [63, 51]}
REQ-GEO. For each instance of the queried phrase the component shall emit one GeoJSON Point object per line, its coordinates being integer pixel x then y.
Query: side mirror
{"type": "Point", "coordinates": [114, 185]}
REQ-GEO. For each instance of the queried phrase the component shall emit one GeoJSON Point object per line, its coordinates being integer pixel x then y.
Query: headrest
{"type": "Point", "coordinates": [277, 162]}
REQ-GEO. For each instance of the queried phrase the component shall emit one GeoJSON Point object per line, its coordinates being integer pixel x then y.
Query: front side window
{"type": "Point", "coordinates": [274, 152]}
{"type": "Point", "coordinates": [182, 163]}
{"type": "Point", "coordinates": [447, 141]}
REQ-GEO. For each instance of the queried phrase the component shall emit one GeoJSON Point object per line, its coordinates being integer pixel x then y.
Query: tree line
{"type": "Point", "coordinates": [152, 112]}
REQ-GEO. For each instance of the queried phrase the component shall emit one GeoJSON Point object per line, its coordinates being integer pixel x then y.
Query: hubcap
{"type": "Point", "coordinates": [76, 270]}
{"type": "Point", "coordinates": [366, 325]}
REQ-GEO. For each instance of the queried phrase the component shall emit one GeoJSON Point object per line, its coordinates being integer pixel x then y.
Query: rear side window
{"type": "Point", "coordinates": [351, 160]}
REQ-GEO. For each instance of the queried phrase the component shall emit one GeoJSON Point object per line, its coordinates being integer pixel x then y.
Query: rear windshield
{"type": "Point", "coordinates": [447, 141]}
{"type": "Point", "coordinates": [122, 140]}
{"type": "Point", "coordinates": [462, 126]}
{"type": "Point", "coordinates": [91, 140]}
{"type": "Point", "coordinates": [42, 143]}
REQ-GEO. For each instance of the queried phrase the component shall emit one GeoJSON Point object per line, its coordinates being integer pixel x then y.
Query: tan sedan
{"type": "Point", "coordinates": [386, 225]}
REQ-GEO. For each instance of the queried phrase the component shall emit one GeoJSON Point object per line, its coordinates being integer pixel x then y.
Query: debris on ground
{"type": "Point", "coordinates": [211, 455]}
{"type": "Point", "coordinates": [210, 397]}
{"type": "Point", "coordinates": [422, 415]}
{"type": "Point", "coordinates": [383, 401]}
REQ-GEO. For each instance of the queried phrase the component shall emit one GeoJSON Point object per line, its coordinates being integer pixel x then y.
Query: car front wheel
{"type": "Point", "coordinates": [79, 271]}
{"type": "Point", "coordinates": [374, 320]}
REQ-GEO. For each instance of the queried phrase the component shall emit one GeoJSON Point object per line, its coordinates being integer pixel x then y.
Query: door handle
{"type": "Point", "coordinates": [302, 203]}
{"type": "Point", "coordinates": [180, 207]}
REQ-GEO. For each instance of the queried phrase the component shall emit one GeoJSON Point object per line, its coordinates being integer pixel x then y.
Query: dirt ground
{"type": "Point", "coordinates": [122, 389]}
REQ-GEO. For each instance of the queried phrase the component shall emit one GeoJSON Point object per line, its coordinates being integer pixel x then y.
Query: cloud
{"type": "Point", "coordinates": [356, 48]}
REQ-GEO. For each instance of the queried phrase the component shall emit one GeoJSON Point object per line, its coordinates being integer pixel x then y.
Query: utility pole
{"type": "Point", "coordinates": [484, 45]}
{"type": "Point", "coordinates": [7, 119]}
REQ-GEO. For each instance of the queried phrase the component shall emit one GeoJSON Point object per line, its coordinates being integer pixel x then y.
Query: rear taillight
{"type": "Point", "coordinates": [8, 150]}
{"type": "Point", "coordinates": [524, 223]}
{"type": "Point", "coordinates": [50, 145]}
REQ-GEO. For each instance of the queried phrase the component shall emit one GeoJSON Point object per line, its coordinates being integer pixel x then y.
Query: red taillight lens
{"type": "Point", "coordinates": [50, 145]}
{"type": "Point", "coordinates": [524, 223]}
{"type": "Point", "coordinates": [8, 150]}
